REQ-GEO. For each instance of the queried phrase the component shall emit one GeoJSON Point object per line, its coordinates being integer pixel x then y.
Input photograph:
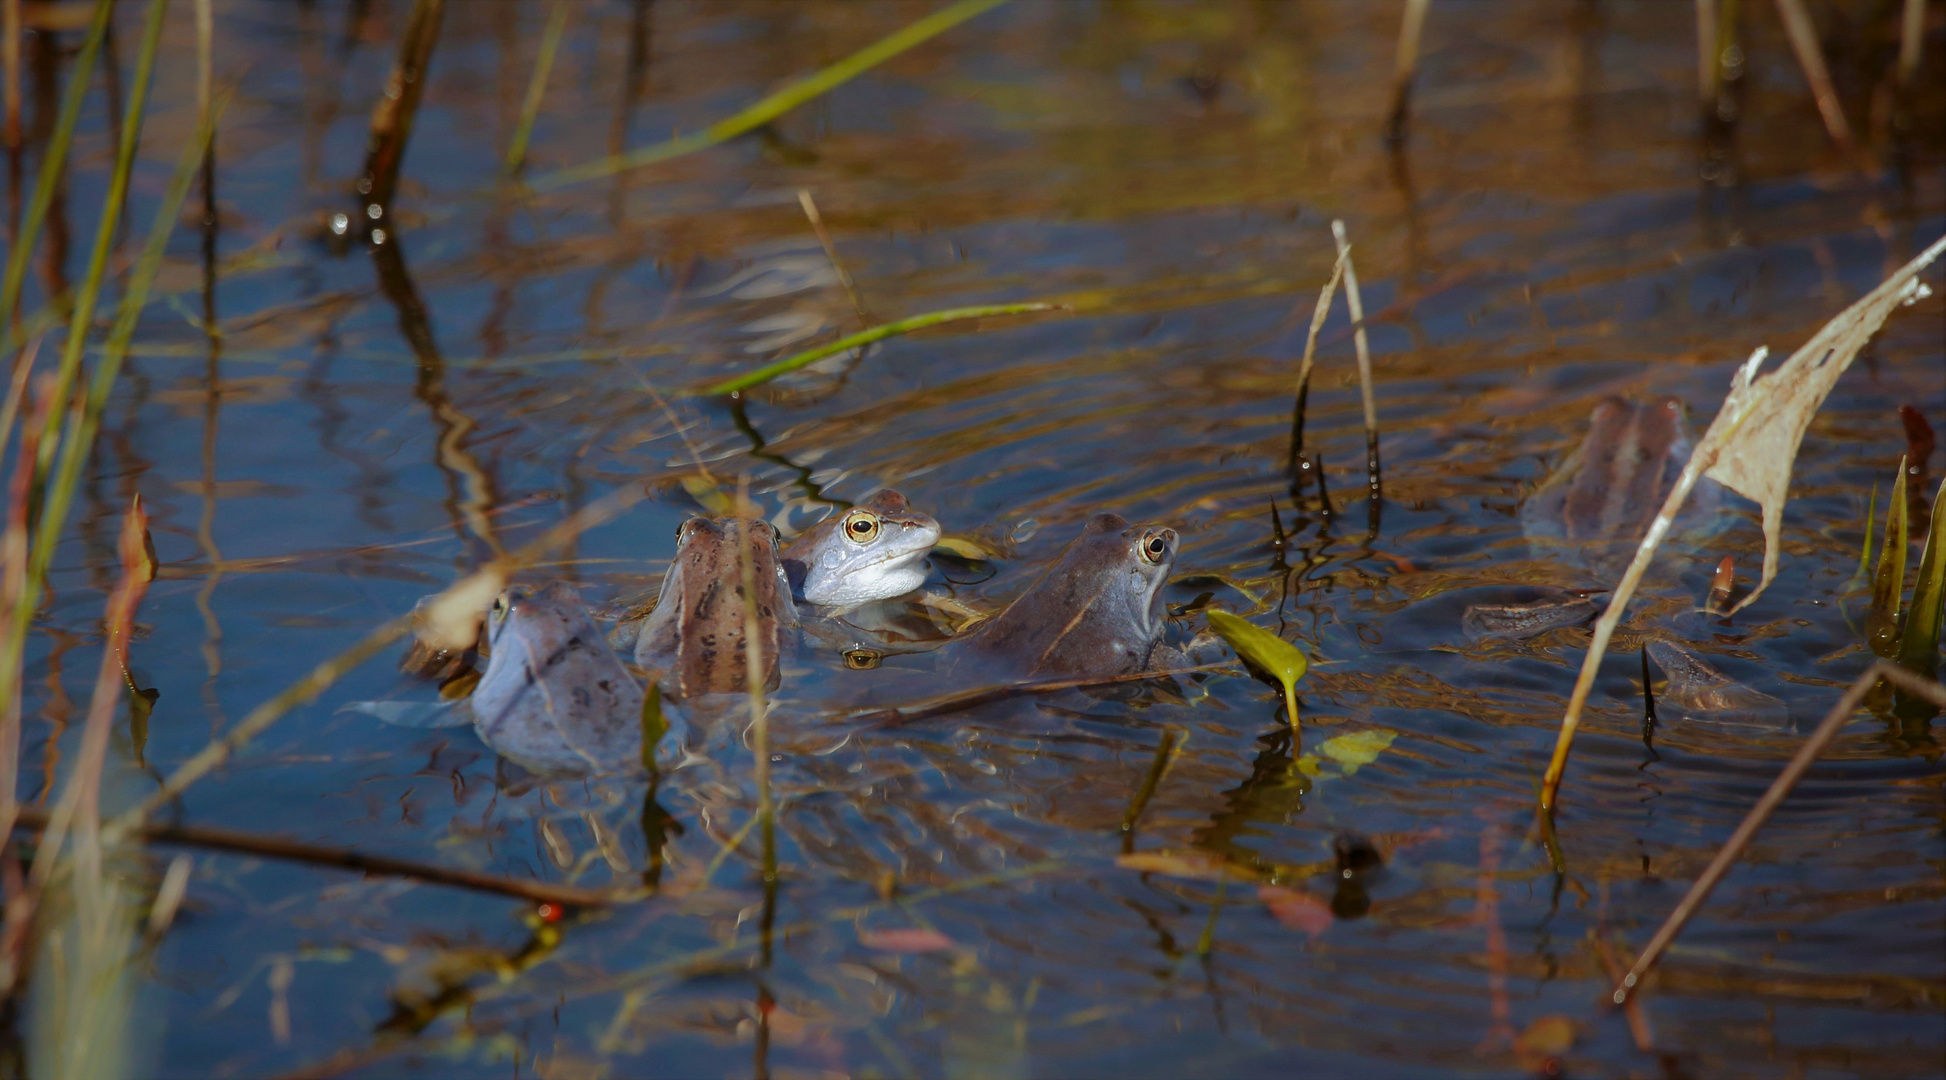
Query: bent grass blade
{"type": "Point", "coordinates": [777, 104]}
{"type": "Point", "coordinates": [866, 337]}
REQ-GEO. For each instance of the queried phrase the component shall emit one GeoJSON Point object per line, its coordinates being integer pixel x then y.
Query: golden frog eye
{"type": "Point", "coordinates": [1155, 547]}
{"type": "Point", "coordinates": [861, 526]}
{"type": "Point", "coordinates": [862, 659]}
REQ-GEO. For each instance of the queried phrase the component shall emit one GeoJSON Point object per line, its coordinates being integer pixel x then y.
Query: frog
{"type": "Point", "coordinates": [554, 698]}
{"type": "Point", "coordinates": [692, 640]}
{"type": "Point", "coordinates": [874, 551]}
{"type": "Point", "coordinates": [1097, 614]}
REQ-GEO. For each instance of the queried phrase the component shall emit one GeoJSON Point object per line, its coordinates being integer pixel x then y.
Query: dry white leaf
{"type": "Point", "coordinates": [1753, 441]}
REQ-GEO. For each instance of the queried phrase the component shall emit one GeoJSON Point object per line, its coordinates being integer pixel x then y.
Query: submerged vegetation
{"type": "Point", "coordinates": [873, 848]}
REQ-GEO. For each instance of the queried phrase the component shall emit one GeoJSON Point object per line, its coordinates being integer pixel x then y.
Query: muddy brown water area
{"type": "Point", "coordinates": [1553, 231]}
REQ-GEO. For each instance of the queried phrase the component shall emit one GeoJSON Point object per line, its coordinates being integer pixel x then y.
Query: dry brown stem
{"type": "Point", "coordinates": [1827, 730]}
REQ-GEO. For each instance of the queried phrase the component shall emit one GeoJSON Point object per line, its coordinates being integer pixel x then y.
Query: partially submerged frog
{"type": "Point", "coordinates": [1097, 614]}
{"type": "Point", "coordinates": [874, 551]}
{"type": "Point", "coordinates": [554, 697]}
{"type": "Point", "coordinates": [693, 639]}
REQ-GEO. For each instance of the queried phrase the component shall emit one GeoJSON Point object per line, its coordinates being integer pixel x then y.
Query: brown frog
{"type": "Point", "coordinates": [1098, 613]}
{"type": "Point", "coordinates": [693, 639]}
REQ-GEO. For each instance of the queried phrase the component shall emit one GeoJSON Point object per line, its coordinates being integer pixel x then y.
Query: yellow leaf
{"type": "Point", "coordinates": [964, 547]}
{"type": "Point", "coordinates": [1264, 651]}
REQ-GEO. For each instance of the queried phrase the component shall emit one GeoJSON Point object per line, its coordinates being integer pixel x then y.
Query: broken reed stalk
{"type": "Point", "coordinates": [276, 847]}
{"type": "Point", "coordinates": [1810, 56]}
{"type": "Point", "coordinates": [1827, 730]}
{"type": "Point", "coordinates": [79, 436]}
{"type": "Point", "coordinates": [53, 161]}
{"type": "Point", "coordinates": [392, 118]}
{"type": "Point", "coordinates": [1310, 353]}
{"type": "Point", "coordinates": [1912, 33]}
{"type": "Point", "coordinates": [463, 599]}
{"type": "Point", "coordinates": [1404, 65]}
{"type": "Point", "coordinates": [777, 104]}
{"type": "Point", "coordinates": [831, 253]}
{"type": "Point", "coordinates": [1706, 52]}
{"type": "Point", "coordinates": [1357, 305]}
{"type": "Point", "coordinates": [866, 337]}
{"type": "Point", "coordinates": [530, 109]}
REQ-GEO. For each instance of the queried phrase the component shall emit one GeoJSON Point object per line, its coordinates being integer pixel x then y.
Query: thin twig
{"type": "Point", "coordinates": [967, 699]}
{"type": "Point", "coordinates": [1318, 314]}
{"type": "Point", "coordinates": [1827, 730]}
{"type": "Point", "coordinates": [392, 119]}
{"type": "Point", "coordinates": [276, 847]}
{"type": "Point", "coordinates": [1810, 56]}
{"type": "Point", "coordinates": [831, 252]}
{"type": "Point", "coordinates": [1373, 477]}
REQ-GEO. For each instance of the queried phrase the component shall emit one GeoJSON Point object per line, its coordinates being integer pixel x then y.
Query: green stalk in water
{"type": "Point", "coordinates": [1882, 621]}
{"type": "Point", "coordinates": [1865, 553]}
{"type": "Point", "coordinates": [557, 21]}
{"type": "Point", "coordinates": [111, 213]}
{"type": "Point", "coordinates": [866, 337]}
{"type": "Point", "coordinates": [777, 104]}
{"type": "Point", "coordinates": [80, 436]}
{"type": "Point", "coordinates": [1919, 641]}
{"type": "Point", "coordinates": [52, 161]}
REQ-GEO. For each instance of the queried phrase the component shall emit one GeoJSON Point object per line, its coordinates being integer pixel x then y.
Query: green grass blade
{"type": "Point", "coordinates": [74, 449]}
{"type": "Point", "coordinates": [1919, 643]}
{"type": "Point", "coordinates": [866, 337]}
{"type": "Point", "coordinates": [777, 104]}
{"type": "Point", "coordinates": [557, 21]}
{"type": "Point", "coordinates": [1865, 553]}
{"type": "Point", "coordinates": [83, 315]}
{"type": "Point", "coordinates": [52, 162]}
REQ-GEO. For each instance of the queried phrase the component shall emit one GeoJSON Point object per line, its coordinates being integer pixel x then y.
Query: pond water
{"type": "Point", "coordinates": [369, 427]}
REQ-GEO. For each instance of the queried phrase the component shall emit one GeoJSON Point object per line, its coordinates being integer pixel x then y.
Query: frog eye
{"type": "Point", "coordinates": [862, 659]}
{"type": "Point", "coordinates": [1155, 546]}
{"type": "Point", "coordinates": [500, 605]}
{"type": "Point", "coordinates": [861, 526]}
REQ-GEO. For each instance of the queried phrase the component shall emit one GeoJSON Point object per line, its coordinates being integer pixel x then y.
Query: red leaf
{"type": "Point", "coordinates": [1297, 910]}
{"type": "Point", "coordinates": [905, 941]}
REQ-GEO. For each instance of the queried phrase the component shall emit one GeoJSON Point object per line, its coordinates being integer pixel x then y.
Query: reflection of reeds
{"type": "Point", "coordinates": [1810, 57]}
{"type": "Point", "coordinates": [1405, 64]}
{"type": "Point", "coordinates": [10, 68]}
{"type": "Point", "coordinates": [530, 109]}
{"type": "Point", "coordinates": [392, 119]}
{"type": "Point", "coordinates": [866, 337]}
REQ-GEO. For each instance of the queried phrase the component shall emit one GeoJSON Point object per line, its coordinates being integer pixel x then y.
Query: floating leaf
{"type": "Point", "coordinates": [1549, 1036]}
{"type": "Point", "coordinates": [1882, 621]}
{"type": "Point", "coordinates": [1358, 748]}
{"type": "Point", "coordinates": [1200, 865]}
{"type": "Point", "coordinates": [914, 940]}
{"type": "Point", "coordinates": [1919, 643]}
{"type": "Point", "coordinates": [964, 547]}
{"type": "Point", "coordinates": [1297, 910]}
{"type": "Point", "coordinates": [1264, 651]}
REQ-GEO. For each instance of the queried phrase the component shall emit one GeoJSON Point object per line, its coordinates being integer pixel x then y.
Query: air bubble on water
{"type": "Point", "coordinates": [1025, 531]}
